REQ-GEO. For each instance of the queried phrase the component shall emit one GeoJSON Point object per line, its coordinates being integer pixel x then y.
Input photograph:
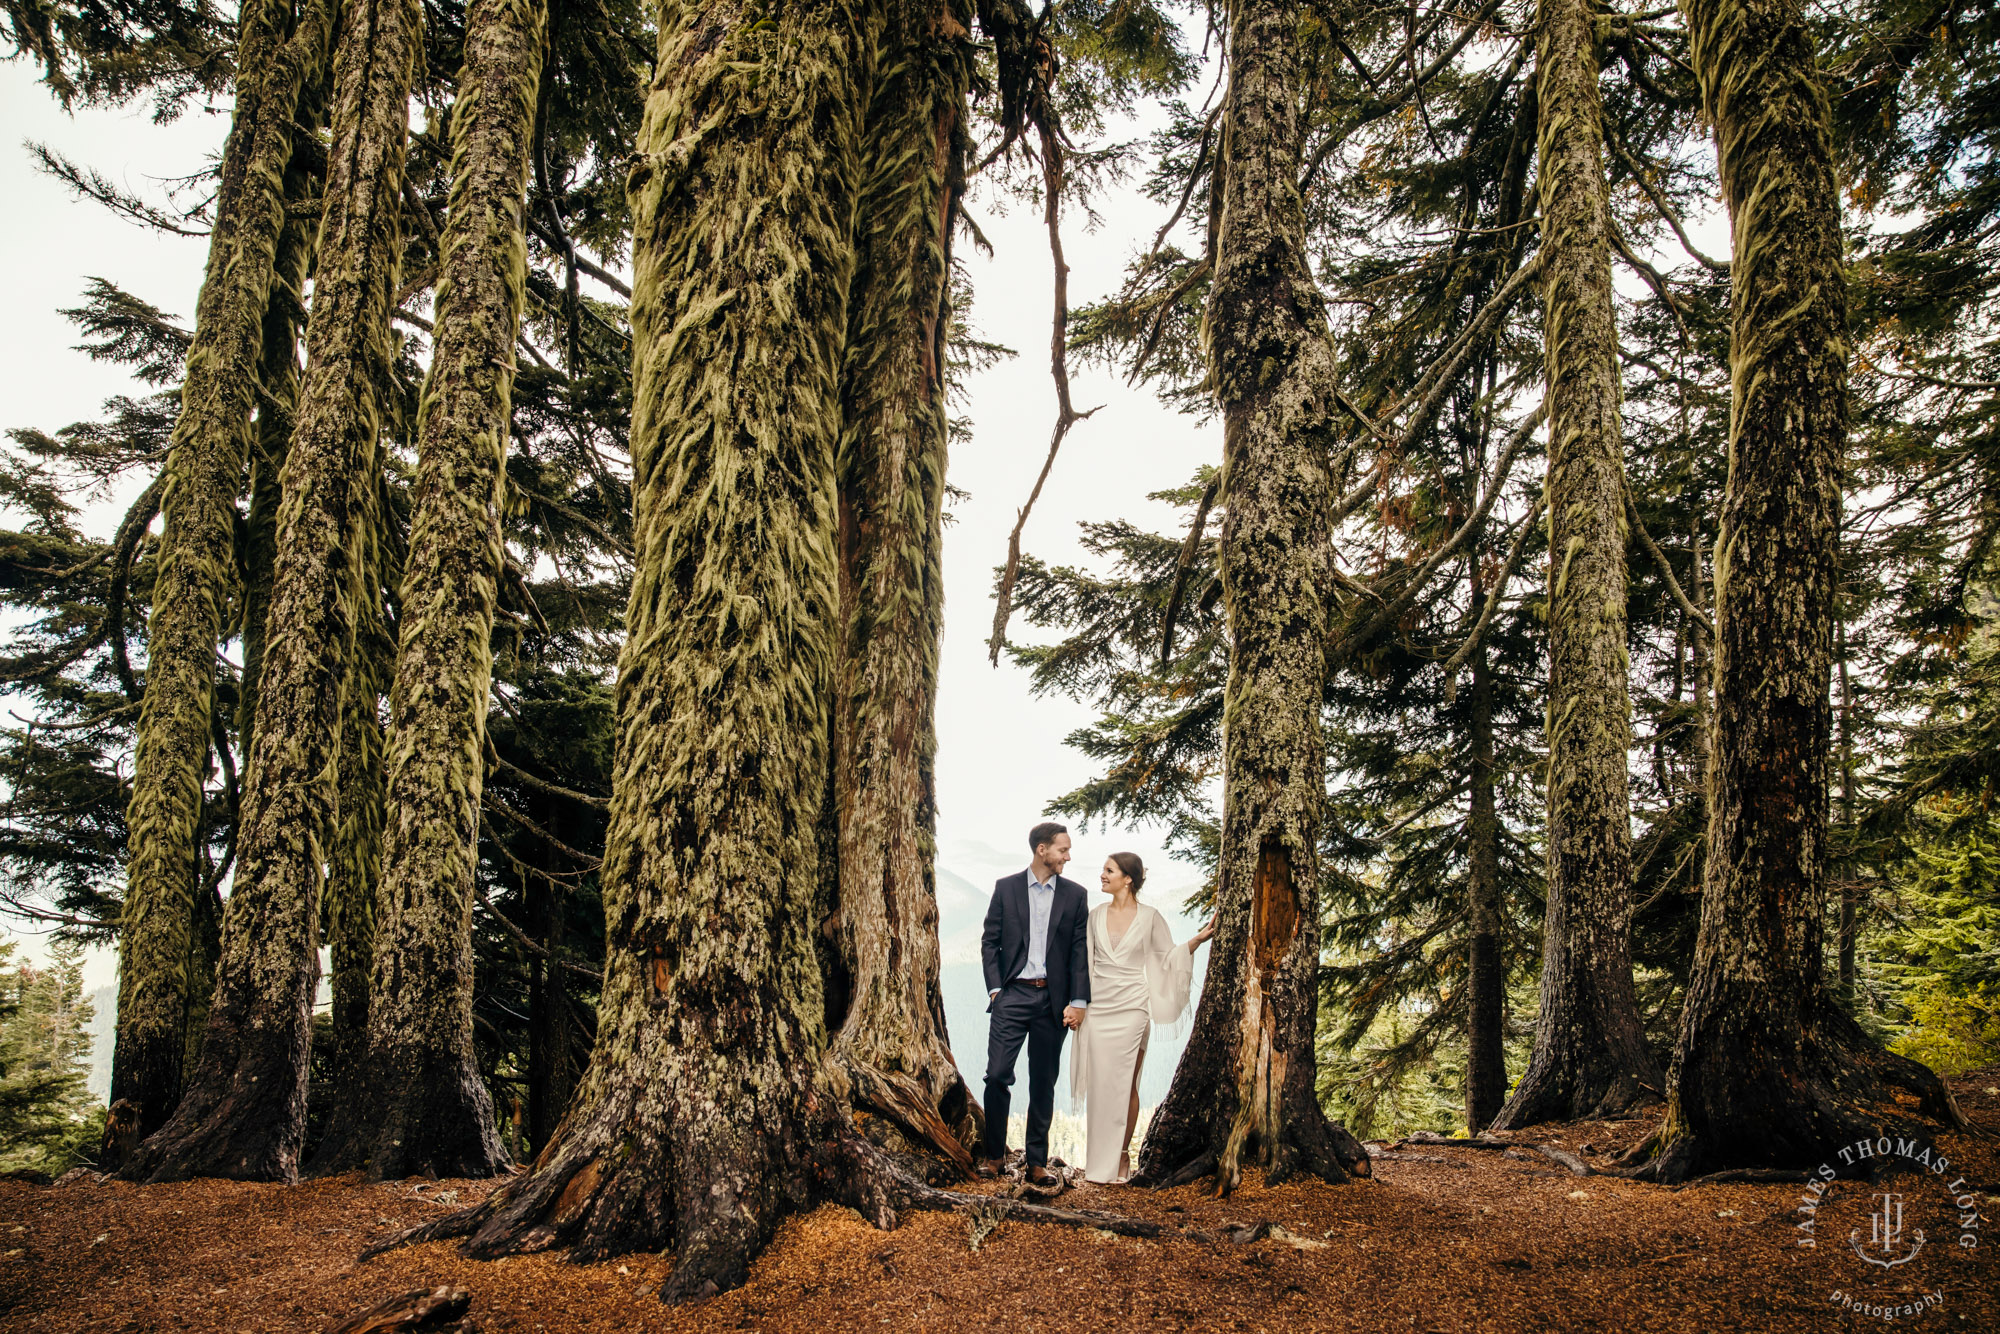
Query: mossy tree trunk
{"type": "Point", "coordinates": [243, 1114]}
{"type": "Point", "coordinates": [279, 53]}
{"type": "Point", "coordinates": [1590, 1056]}
{"type": "Point", "coordinates": [1486, 966]}
{"type": "Point", "coordinates": [354, 871]}
{"type": "Point", "coordinates": [695, 1127]}
{"type": "Point", "coordinates": [1768, 1069]}
{"type": "Point", "coordinates": [419, 1103]}
{"type": "Point", "coordinates": [884, 1007]}
{"type": "Point", "coordinates": [1244, 1090]}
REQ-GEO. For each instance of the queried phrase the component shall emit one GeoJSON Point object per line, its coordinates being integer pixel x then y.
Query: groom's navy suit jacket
{"type": "Point", "coordinates": [1003, 945]}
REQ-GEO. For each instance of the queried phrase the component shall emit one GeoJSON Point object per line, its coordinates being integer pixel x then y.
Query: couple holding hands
{"type": "Point", "coordinates": [1054, 963]}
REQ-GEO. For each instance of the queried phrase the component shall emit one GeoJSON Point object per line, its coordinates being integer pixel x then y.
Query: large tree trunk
{"type": "Point", "coordinates": [423, 1106]}
{"type": "Point", "coordinates": [1769, 1070]}
{"type": "Point", "coordinates": [695, 1127]}
{"type": "Point", "coordinates": [889, 1041]}
{"type": "Point", "coordinates": [1244, 1091]}
{"type": "Point", "coordinates": [1486, 970]}
{"type": "Point", "coordinates": [278, 54]}
{"type": "Point", "coordinates": [243, 1114]}
{"type": "Point", "coordinates": [279, 383]}
{"type": "Point", "coordinates": [1590, 1056]}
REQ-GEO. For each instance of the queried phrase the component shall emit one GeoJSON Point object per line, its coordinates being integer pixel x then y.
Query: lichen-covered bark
{"type": "Point", "coordinates": [889, 1045]}
{"type": "Point", "coordinates": [243, 1114]}
{"type": "Point", "coordinates": [1486, 968]}
{"type": "Point", "coordinates": [354, 870]}
{"type": "Point", "coordinates": [279, 381]}
{"type": "Point", "coordinates": [1768, 1070]}
{"type": "Point", "coordinates": [1590, 1056]}
{"type": "Point", "coordinates": [1244, 1091]}
{"type": "Point", "coordinates": [693, 1129]}
{"type": "Point", "coordinates": [279, 52]}
{"type": "Point", "coordinates": [421, 1104]}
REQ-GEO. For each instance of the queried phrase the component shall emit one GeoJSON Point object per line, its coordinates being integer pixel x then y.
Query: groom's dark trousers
{"type": "Point", "coordinates": [1028, 1011]}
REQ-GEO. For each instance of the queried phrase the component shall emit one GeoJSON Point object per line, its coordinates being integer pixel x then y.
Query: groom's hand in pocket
{"type": "Point", "coordinates": [1072, 1016]}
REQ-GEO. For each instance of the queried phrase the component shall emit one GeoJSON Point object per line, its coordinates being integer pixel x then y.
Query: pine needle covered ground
{"type": "Point", "coordinates": [1443, 1239]}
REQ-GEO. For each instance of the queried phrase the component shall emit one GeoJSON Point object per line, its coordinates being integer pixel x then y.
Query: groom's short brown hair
{"type": "Point", "coordinates": [1044, 834]}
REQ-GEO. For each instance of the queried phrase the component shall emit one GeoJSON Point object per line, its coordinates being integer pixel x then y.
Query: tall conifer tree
{"type": "Point", "coordinates": [243, 1114]}
{"type": "Point", "coordinates": [1769, 1069]}
{"type": "Point", "coordinates": [418, 1102]}
{"type": "Point", "coordinates": [1590, 1056]}
{"type": "Point", "coordinates": [1245, 1091]}
{"type": "Point", "coordinates": [280, 52]}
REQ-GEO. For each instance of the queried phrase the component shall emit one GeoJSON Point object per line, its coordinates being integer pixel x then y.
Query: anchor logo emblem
{"type": "Point", "coordinates": [1885, 1234]}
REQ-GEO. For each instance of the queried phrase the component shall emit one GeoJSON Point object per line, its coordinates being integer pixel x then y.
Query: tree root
{"type": "Point", "coordinates": [1786, 1116]}
{"type": "Point", "coordinates": [1749, 1174]}
{"type": "Point", "coordinates": [903, 1102]}
{"type": "Point", "coordinates": [849, 1171]}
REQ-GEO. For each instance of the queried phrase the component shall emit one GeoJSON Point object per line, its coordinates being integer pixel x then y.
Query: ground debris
{"type": "Point", "coordinates": [418, 1311]}
{"type": "Point", "coordinates": [1475, 1243]}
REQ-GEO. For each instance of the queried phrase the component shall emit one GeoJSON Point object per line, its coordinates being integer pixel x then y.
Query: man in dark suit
{"type": "Point", "coordinates": [1038, 986]}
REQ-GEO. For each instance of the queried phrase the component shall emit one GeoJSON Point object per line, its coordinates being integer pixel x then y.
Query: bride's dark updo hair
{"type": "Point", "coordinates": [1129, 863]}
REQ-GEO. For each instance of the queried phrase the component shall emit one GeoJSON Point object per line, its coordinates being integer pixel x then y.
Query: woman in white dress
{"type": "Point", "coordinates": [1138, 978]}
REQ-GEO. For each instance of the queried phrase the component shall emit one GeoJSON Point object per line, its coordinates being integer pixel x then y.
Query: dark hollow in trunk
{"type": "Point", "coordinates": [1769, 1071]}
{"type": "Point", "coordinates": [243, 1114]}
{"type": "Point", "coordinates": [1244, 1091]}
{"type": "Point", "coordinates": [1590, 1057]}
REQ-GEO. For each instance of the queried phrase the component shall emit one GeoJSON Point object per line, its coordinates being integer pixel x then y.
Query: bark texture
{"type": "Point", "coordinates": [1244, 1092]}
{"type": "Point", "coordinates": [694, 1129]}
{"type": "Point", "coordinates": [884, 1007]}
{"type": "Point", "coordinates": [243, 1114]}
{"type": "Point", "coordinates": [279, 52]}
{"type": "Point", "coordinates": [423, 1106]}
{"type": "Point", "coordinates": [354, 870]}
{"type": "Point", "coordinates": [1590, 1057]}
{"type": "Point", "coordinates": [1768, 1070]}
{"type": "Point", "coordinates": [1486, 968]}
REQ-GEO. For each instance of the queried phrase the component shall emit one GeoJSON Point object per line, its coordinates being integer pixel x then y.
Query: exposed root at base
{"type": "Point", "coordinates": [851, 1172]}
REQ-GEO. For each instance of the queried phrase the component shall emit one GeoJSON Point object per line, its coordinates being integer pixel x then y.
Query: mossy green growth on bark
{"type": "Point", "coordinates": [243, 1113]}
{"type": "Point", "coordinates": [1590, 1056]}
{"type": "Point", "coordinates": [418, 1102]}
{"type": "Point", "coordinates": [695, 1128]}
{"type": "Point", "coordinates": [884, 1006]}
{"type": "Point", "coordinates": [280, 52]}
{"type": "Point", "coordinates": [1244, 1092]}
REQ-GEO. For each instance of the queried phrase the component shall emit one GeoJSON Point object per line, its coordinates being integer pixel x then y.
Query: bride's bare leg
{"type": "Point", "coordinates": [1131, 1115]}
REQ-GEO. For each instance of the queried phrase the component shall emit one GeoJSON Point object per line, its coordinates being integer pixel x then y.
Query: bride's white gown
{"type": "Point", "coordinates": [1140, 980]}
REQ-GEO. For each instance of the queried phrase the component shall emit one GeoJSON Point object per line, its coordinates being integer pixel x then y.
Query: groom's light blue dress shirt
{"type": "Point", "coordinates": [1041, 903]}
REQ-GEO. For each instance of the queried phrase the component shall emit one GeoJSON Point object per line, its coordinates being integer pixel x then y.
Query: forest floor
{"type": "Point", "coordinates": [1442, 1239]}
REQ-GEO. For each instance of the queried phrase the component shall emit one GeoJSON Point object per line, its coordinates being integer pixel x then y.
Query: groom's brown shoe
{"type": "Point", "coordinates": [1041, 1176]}
{"type": "Point", "coordinates": [987, 1168]}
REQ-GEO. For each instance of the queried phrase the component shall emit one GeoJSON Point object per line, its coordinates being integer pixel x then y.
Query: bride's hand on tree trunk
{"type": "Point", "coordinates": [1201, 937]}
